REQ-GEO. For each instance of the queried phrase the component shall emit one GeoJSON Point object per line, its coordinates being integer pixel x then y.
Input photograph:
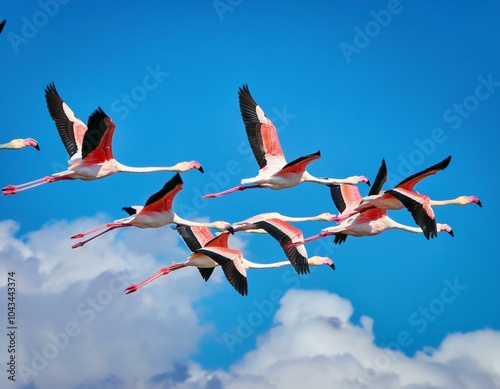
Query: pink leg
{"type": "Point", "coordinates": [80, 244]}
{"type": "Point", "coordinates": [235, 189]}
{"type": "Point", "coordinates": [160, 273]}
{"type": "Point", "coordinates": [310, 239]}
{"type": "Point", "coordinates": [81, 235]}
{"type": "Point", "coordinates": [13, 189]}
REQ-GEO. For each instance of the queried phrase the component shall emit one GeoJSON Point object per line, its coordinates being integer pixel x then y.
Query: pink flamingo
{"type": "Point", "coordinates": [89, 147]}
{"type": "Point", "coordinates": [157, 212]}
{"type": "Point", "coordinates": [369, 222]}
{"type": "Point", "coordinates": [248, 225]}
{"type": "Point", "coordinates": [16, 144]}
{"type": "Point", "coordinates": [403, 195]}
{"type": "Point", "coordinates": [209, 252]}
{"type": "Point", "coordinates": [275, 173]}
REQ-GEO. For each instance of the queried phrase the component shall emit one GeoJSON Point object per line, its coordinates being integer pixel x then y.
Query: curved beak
{"type": "Point", "coordinates": [230, 229]}
{"type": "Point", "coordinates": [451, 233]}
{"type": "Point", "coordinates": [201, 169]}
{"type": "Point", "coordinates": [332, 266]}
{"type": "Point", "coordinates": [368, 182]}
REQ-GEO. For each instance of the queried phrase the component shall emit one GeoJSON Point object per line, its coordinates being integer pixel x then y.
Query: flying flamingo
{"type": "Point", "coordinates": [208, 253]}
{"type": "Point", "coordinates": [157, 212]}
{"type": "Point", "coordinates": [369, 222]}
{"type": "Point", "coordinates": [275, 173]}
{"type": "Point", "coordinates": [403, 195]}
{"type": "Point", "coordinates": [16, 144]}
{"type": "Point", "coordinates": [248, 225]}
{"type": "Point", "coordinates": [89, 147]}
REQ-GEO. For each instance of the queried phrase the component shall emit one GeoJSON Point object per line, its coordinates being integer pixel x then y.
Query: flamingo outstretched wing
{"type": "Point", "coordinates": [194, 237]}
{"type": "Point", "coordinates": [410, 182]}
{"type": "Point", "coordinates": [261, 133]}
{"type": "Point", "coordinates": [231, 262]}
{"type": "Point", "coordinates": [285, 234]}
{"type": "Point", "coordinates": [299, 165]}
{"type": "Point", "coordinates": [162, 200]}
{"type": "Point", "coordinates": [71, 129]}
{"type": "Point", "coordinates": [421, 211]}
{"type": "Point", "coordinates": [97, 141]}
{"type": "Point", "coordinates": [380, 179]}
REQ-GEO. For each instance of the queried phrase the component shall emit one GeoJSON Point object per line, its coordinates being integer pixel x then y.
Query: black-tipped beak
{"type": "Point", "coordinates": [201, 169]}
{"type": "Point", "coordinates": [368, 183]}
{"type": "Point", "coordinates": [37, 147]}
{"type": "Point", "coordinates": [332, 266]}
{"type": "Point", "coordinates": [451, 233]}
{"type": "Point", "coordinates": [479, 203]}
{"type": "Point", "coordinates": [230, 229]}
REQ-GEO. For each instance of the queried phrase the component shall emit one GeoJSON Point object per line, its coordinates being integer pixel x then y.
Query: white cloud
{"type": "Point", "coordinates": [76, 322]}
{"type": "Point", "coordinates": [80, 330]}
{"type": "Point", "coordinates": [315, 344]}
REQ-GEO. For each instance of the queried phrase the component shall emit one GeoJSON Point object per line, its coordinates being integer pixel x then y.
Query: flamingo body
{"type": "Point", "coordinates": [157, 212]}
{"type": "Point", "coordinates": [209, 252]}
{"type": "Point", "coordinates": [89, 147]}
{"type": "Point", "coordinates": [248, 225]}
{"type": "Point", "coordinates": [274, 172]}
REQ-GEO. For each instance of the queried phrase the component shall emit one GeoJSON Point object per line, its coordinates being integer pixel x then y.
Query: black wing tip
{"type": "Point", "coordinates": [2, 24]}
{"type": "Point", "coordinates": [99, 112]}
{"type": "Point", "coordinates": [243, 89]}
{"type": "Point", "coordinates": [51, 88]}
{"type": "Point", "coordinates": [169, 186]}
{"type": "Point", "coordinates": [130, 210]}
{"type": "Point", "coordinates": [176, 179]}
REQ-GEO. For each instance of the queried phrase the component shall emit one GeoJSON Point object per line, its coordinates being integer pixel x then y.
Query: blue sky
{"type": "Point", "coordinates": [408, 81]}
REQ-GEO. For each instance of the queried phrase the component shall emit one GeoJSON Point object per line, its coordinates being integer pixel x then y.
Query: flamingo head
{"type": "Point", "coordinates": [474, 199]}
{"type": "Point", "coordinates": [185, 166]}
{"type": "Point", "coordinates": [30, 142]}
{"type": "Point", "coordinates": [357, 180]}
{"type": "Point", "coordinates": [325, 216]}
{"type": "Point", "coordinates": [445, 228]}
{"type": "Point", "coordinates": [223, 226]}
{"type": "Point", "coordinates": [318, 261]}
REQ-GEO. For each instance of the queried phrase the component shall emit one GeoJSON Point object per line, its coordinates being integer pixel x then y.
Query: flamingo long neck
{"type": "Point", "coordinates": [179, 220]}
{"type": "Point", "coordinates": [444, 202]}
{"type": "Point", "coordinates": [399, 226]}
{"type": "Point", "coordinates": [8, 146]}
{"type": "Point", "coordinates": [130, 169]}
{"type": "Point", "coordinates": [253, 265]}
{"type": "Point", "coordinates": [306, 177]}
{"type": "Point", "coordinates": [304, 219]}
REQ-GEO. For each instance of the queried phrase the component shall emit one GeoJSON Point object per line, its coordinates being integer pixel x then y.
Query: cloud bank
{"type": "Point", "coordinates": [77, 329]}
